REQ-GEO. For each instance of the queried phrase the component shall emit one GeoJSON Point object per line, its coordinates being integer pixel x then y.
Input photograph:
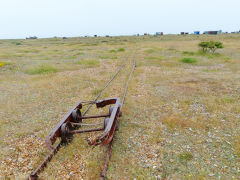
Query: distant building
{"type": "Point", "coordinates": [197, 32]}
{"type": "Point", "coordinates": [210, 32]}
{"type": "Point", "coordinates": [64, 37]}
{"type": "Point", "coordinates": [183, 33]}
{"type": "Point", "coordinates": [31, 37]}
{"type": "Point", "coordinates": [145, 34]}
{"type": "Point", "coordinates": [159, 33]}
{"type": "Point", "coordinates": [95, 35]}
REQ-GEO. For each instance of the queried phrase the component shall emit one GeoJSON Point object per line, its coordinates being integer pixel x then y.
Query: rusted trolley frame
{"type": "Point", "coordinates": [70, 124]}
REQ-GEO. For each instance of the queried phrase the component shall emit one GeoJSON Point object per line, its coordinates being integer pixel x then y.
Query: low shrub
{"type": "Point", "coordinates": [18, 43]}
{"type": "Point", "coordinates": [118, 50]}
{"type": "Point", "coordinates": [189, 60]}
{"type": "Point", "coordinates": [121, 50]}
{"type": "Point", "coordinates": [210, 46]}
{"type": "Point", "coordinates": [112, 51]}
{"type": "Point", "coordinates": [149, 51]}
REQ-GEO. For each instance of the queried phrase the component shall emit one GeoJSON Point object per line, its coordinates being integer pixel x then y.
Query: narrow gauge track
{"type": "Point", "coordinates": [55, 149]}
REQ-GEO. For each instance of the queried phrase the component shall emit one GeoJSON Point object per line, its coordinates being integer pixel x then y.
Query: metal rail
{"type": "Point", "coordinates": [99, 94]}
{"type": "Point", "coordinates": [109, 151]}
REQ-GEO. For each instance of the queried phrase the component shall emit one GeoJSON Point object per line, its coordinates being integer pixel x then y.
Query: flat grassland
{"type": "Point", "coordinates": [181, 119]}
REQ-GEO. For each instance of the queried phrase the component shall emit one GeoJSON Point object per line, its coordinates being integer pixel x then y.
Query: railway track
{"type": "Point", "coordinates": [73, 121]}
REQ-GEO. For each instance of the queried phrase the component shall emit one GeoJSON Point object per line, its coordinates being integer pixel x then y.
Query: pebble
{"type": "Point", "coordinates": [211, 174]}
{"type": "Point", "coordinates": [176, 134]}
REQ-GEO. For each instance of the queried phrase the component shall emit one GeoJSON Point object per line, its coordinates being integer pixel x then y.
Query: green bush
{"type": "Point", "coordinates": [118, 50]}
{"type": "Point", "coordinates": [121, 50]}
{"type": "Point", "coordinates": [210, 46]}
{"type": "Point", "coordinates": [42, 69]}
{"type": "Point", "coordinates": [189, 60]}
{"type": "Point", "coordinates": [112, 51]}
{"type": "Point", "coordinates": [17, 43]}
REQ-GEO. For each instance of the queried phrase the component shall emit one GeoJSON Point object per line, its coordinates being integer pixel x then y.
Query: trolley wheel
{"type": "Point", "coordinates": [65, 129]}
{"type": "Point", "coordinates": [76, 116]}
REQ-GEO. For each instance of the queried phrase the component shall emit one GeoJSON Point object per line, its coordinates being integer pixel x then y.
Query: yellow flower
{"type": "Point", "coordinates": [2, 64]}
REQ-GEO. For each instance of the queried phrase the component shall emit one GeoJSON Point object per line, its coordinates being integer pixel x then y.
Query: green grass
{"type": "Point", "coordinates": [201, 53]}
{"type": "Point", "coordinates": [189, 60]}
{"type": "Point", "coordinates": [149, 51]}
{"type": "Point", "coordinates": [188, 53]}
{"type": "Point", "coordinates": [89, 63]}
{"type": "Point", "coordinates": [107, 57]}
{"type": "Point", "coordinates": [155, 58]}
{"type": "Point", "coordinates": [118, 50]}
{"type": "Point", "coordinates": [112, 51]}
{"type": "Point", "coordinates": [236, 146]}
{"type": "Point", "coordinates": [42, 69]}
{"type": "Point", "coordinates": [18, 43]}
{"type": "Point", "coordinates": [185, 156]}
{"type": "Point", "coordinates": [121, 50]}
{"type": "Point", "coordinates": [95, 92]}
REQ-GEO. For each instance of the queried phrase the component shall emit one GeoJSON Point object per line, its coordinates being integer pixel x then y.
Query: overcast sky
{"type": "Point", "coordinates": [48, 18]}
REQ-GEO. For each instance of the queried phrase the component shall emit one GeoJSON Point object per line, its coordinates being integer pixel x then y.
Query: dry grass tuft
{"type": "Point", "coordinates": [236, 146]}
{"type": "Point", "coordinates": [88, 63]}
{"type": "Point", "coordinates": [42, 69]}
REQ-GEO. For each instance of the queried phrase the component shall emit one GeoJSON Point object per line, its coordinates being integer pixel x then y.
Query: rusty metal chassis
{"type": "Point", "coordinates": [68, 126]}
